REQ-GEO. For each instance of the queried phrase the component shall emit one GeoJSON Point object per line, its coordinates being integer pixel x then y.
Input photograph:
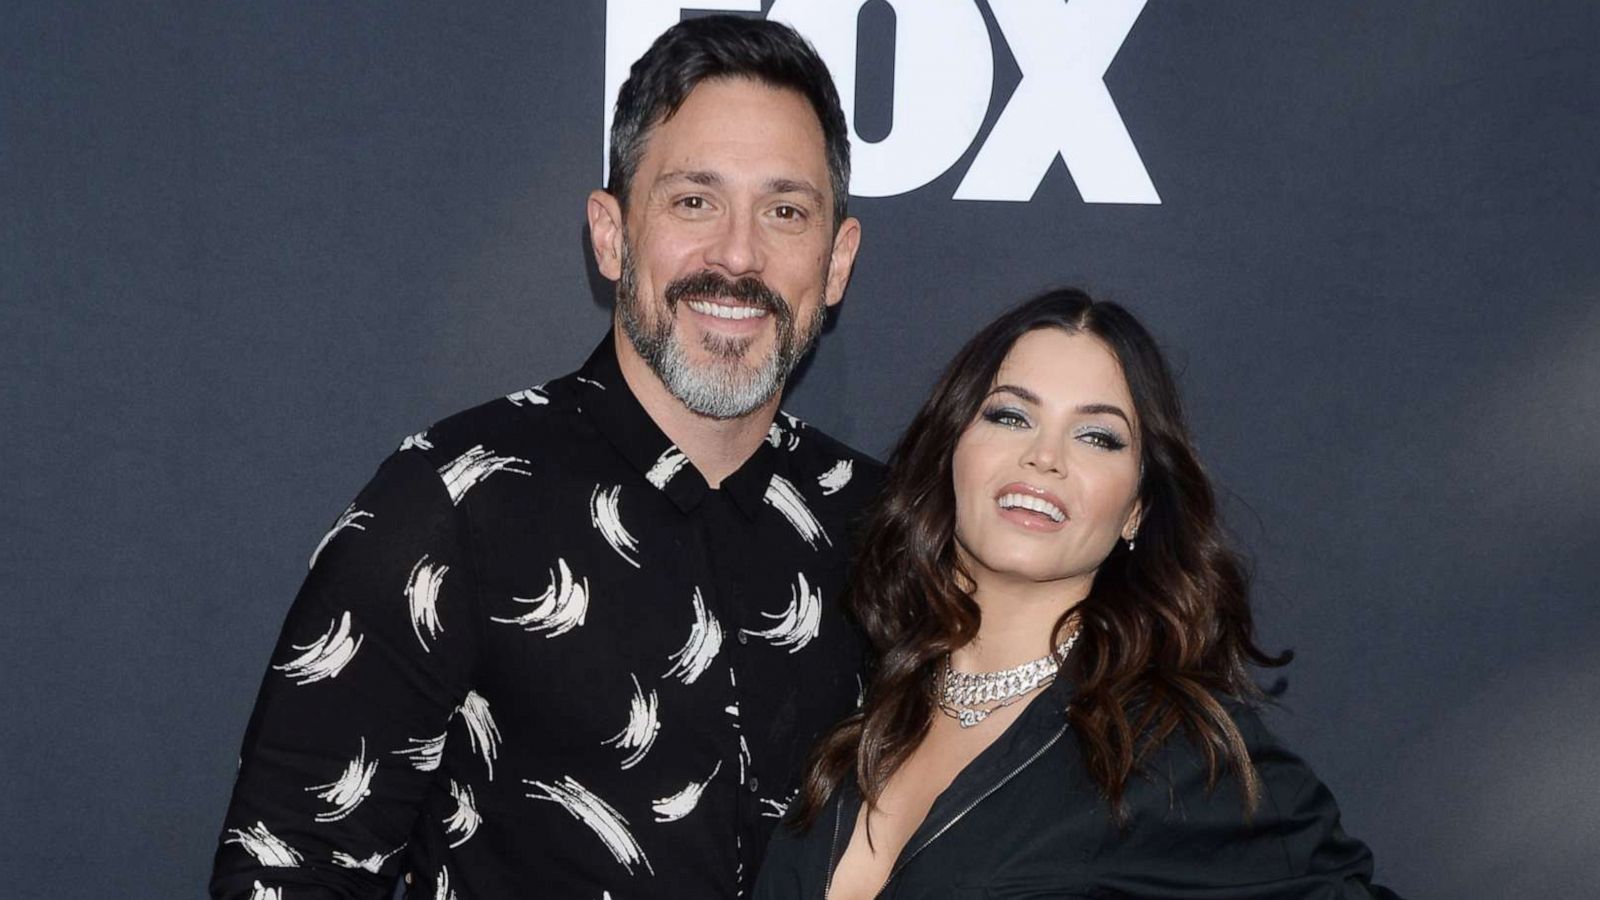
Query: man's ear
{"type": "Point", "coordinates": [842, 258]}
{"type": "Point", "coordinates": [605, 233]}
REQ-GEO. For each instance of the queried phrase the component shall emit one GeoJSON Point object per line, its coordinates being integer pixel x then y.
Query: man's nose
{"type": "Point", "coordinates": [736, 248]}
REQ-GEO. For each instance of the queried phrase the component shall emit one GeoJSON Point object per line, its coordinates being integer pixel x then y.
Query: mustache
{"type": "Point", "coordinates": [709, 285]}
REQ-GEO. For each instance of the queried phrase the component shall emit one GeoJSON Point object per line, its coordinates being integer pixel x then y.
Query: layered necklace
{"type": "Point", "coordinates": [969, 697]}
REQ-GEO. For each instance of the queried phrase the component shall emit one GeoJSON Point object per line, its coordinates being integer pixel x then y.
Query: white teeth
{"type": "Point", "coordinates": [720, 311]}
{"type": "Point", "coordinates": [1036, 504]}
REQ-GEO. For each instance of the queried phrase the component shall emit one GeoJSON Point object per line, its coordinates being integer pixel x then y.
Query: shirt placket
{"type": "Point", "coordinates": [720, 533]}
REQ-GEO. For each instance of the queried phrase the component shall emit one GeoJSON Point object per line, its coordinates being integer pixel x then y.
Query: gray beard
{"type": "Point", "coordinates": [728, 387]}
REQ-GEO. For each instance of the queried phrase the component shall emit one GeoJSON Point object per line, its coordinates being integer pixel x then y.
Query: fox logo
{"type": "Point", "coordinates": [943, 87]}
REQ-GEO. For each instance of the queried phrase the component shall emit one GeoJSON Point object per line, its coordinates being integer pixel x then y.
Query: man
{"type": "Point", "coordinates": [576, 642]}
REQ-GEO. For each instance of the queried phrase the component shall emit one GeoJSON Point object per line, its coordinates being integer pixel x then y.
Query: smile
{"type": "Point", "coordinates": [1032, 499]}
{"type": "Point", "coordinates": [723, 311]}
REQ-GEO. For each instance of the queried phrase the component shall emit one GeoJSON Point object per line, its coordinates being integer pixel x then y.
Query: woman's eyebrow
{"type": "Point", "coordinates": [1092, 409]}
{"type": "Point", "coordinates": [1020, 393]}
{"type": "Point", "coordinates": [1087, 409]}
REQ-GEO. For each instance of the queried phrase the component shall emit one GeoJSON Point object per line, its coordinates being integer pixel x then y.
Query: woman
{"type": "Point", "coordinates": [1046, 509]}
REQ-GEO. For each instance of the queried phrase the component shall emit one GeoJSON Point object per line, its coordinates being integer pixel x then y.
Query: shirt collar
{"type": "Point", "coordinates": [604, 396]}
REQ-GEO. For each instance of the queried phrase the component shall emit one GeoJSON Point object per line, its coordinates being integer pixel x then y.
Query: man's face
{"type": "Point", "coordinates": [727, 258]}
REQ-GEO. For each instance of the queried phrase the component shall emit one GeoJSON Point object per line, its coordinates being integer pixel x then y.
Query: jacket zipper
{"type": "Point", "coordinates": [833, 849]}
{"type": "Point", "coordinates": [959, 816]}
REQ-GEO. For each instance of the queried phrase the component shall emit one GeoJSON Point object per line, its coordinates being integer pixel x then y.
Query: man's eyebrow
{"type": "Point", "coordinates": [795, 186]}
{"type": "Point", "coordinates": [701, 177]}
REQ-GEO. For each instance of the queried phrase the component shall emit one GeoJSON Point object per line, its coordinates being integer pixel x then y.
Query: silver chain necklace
{"type": "Point", "coordinates": [963, 695]}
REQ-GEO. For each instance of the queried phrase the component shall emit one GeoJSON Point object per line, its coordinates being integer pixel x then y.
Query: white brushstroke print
{"type": "Point", "coordinates": [533, 396]}
{"type": "Point", "coordinates": [350, 518]}
{"type": "Point", "coordinates": [797, 625]}
{"type": "Point", "coordinates": [834, 480]}
{"type": "Point", "coordinates": [705, 639]}
{"type": "Point", "coordinates": [418, 441]}
{"type": "Point", "coordinates": [643, 725]}
{"type": "Point", "coordinates": [775, 809]}
{"type": "Point", "coordinates": [481, 730]}
{"type": "Point", "coordinates": [675, 807]}
{"type": "Point", "coordinates": [782, 496]}
{"type": "Point", "coordinates": [373, 863]}
{"type": "Point", "coordinates": [422, 595]}
{"type": "Point", "coordinates": [346, 792]}
{"type": "Point", "coordinates": [603, 513]}
{"type": "Point", "coordinates": [777, 436]}
{"type": "Point", "coordinates": [441, 886]}
{"type": "Point", "coordinates": [666, 465]}
{"type": "Point", "coordinates": [326, 656]}
{"type": "Point", "coordinates": [591, 382]}
{"type": "Point", "coordinates": [465, 820]}
{"type": "Point", "coordinates": [262, 892]}
{"type": "Point", "coordinates": [425, 754]}
{"type": "Point", "coordinates": [561, 608]}
{"type": "Point", "coordinates": [744, 759]}
{"type": "Point", "coordinates": [267, 848]}
{"type": "Point", "coordinates": [607, 824]}
{"type": "Point", "coordinates": [467, 470]}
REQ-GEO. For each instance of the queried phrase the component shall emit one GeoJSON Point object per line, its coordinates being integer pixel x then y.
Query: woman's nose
{"type": "Point", "coordinates": [1044, 454]}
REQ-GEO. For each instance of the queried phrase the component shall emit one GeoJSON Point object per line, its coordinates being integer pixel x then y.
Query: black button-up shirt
{"type": "Point", "coordinates": [539, 656]}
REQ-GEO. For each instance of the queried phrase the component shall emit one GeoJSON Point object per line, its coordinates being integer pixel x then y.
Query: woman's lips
{"type": "Point", "coordinates": [1031, 507]}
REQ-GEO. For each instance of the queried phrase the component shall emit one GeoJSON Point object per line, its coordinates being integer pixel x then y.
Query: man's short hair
{"type": "Point", "coordinates": [724, 47]}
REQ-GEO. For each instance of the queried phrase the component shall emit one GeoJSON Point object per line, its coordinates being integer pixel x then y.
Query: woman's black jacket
{"type": "Point", "coordinates": [1025, 820]}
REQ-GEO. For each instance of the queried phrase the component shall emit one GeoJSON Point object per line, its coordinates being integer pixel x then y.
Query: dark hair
{"type": "Point", "coordinates": [1165, 630]}
{"type": "Point", "coordinates": [724, 47]}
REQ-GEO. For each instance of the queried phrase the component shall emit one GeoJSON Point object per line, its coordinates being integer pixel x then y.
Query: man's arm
{"type": "Point", "coordinates": [350, 724]}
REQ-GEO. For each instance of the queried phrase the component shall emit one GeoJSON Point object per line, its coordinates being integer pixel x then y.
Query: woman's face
{"type": "Point", "coordinates": [1047, 475]}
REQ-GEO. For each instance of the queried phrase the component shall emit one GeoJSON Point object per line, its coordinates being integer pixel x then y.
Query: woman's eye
{"type": "Point", "coordinates": [1005, 416]}
{"type": "Point", "coordinates": [1105, 440]}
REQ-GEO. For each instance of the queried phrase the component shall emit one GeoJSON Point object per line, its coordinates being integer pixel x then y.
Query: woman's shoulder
{"type": "Point", "coordinates": [1182, 771]}
{"type": "Point", "coordinates": [1188, 816]}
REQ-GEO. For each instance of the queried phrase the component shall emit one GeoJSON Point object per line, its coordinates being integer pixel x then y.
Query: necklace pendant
{"type": "Point", "coordinates": [970, 717]}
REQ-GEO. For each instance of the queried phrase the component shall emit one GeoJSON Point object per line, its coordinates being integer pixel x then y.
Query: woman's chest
{"type": "Point", "coordinates": [880, 835]}
{"type": "Point", "coordinates": [1032, 835]}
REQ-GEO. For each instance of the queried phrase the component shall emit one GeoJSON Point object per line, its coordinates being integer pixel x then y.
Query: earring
{"type": "Point", "coordinates": [1130, 545]}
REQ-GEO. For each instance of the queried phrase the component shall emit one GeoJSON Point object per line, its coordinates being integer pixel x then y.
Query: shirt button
{"type": "Point", "coordinates": [743, 638]}
{"type": "Point", "coordinates": [753, 784]}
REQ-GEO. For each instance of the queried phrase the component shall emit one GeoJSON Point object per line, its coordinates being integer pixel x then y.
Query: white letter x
{"type": "Point", "coordinates": [1061, 105]}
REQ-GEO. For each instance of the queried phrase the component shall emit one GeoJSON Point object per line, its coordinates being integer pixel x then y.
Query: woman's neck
{"type": "Point", "coordinates": [1018, 618]}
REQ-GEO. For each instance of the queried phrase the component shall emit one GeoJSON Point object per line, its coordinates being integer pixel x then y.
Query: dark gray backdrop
{"type": "Point", "coordinates": [244, 249]}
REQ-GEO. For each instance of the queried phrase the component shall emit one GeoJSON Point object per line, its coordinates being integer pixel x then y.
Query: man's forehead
{"type": "Point", "coordinates": [723, 89]}
{"type": "Point", "coordinates": [740, 119]}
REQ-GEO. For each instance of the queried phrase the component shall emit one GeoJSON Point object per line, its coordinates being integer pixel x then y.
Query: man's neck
{"type": "Point", "coordinates": [716, 447]}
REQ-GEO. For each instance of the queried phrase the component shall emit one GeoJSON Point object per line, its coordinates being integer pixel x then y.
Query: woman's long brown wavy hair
{"type": "Point", "coordinates": [1165, 630]}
